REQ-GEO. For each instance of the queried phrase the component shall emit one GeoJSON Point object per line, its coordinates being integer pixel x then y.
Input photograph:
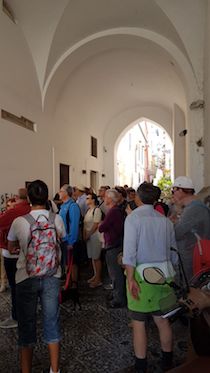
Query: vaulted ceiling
{"type": "Point", "coordinates": [64, 35]}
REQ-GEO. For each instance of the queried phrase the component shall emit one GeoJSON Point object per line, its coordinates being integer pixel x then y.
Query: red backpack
{"type": "Point", "coordinates": [201, 255]}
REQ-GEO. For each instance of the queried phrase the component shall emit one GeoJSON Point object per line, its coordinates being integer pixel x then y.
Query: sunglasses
{"type": "Point", "coordinates": [175, 189]}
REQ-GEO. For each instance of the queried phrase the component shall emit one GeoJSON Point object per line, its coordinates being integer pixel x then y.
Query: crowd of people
{"type": "Point", "coordinates": [124, 229]}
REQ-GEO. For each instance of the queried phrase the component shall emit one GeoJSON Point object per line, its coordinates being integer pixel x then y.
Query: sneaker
{"type": "Point", "coordinates": [8, 324]}
{"type": "Point", "coordinates": [108, 287]}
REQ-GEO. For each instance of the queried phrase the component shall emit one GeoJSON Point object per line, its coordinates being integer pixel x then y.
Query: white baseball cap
{"type": "Point", "coordinates": [183, 182]}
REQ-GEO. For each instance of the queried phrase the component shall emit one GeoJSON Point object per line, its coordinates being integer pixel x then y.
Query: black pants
{"type": "Point", "coordinates": [10, 268]}
{"type": "Point", "coordinates": [116, 274]}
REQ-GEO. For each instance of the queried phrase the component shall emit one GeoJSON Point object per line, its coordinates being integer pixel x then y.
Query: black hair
{"type": "Point", "coordinates": [130, 190]}
{"type": "Point", "coordinates": [95, 198]}
{"type": "Point", "coordinates": [158, 192]}
{"type": "Point", "coordinates": [37, 193]}
{"type": "Point", "coordinates": [147, 193]}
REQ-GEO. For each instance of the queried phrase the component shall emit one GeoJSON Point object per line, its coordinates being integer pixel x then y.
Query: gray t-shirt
{"type": "Point", "coordinates": [195, 218]}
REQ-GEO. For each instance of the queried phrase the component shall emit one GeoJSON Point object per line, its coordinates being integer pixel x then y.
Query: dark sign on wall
{"type": "Point", "coordinates": [3, 199]}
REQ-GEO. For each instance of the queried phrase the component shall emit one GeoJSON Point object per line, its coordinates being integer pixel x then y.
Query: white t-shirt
{"type": "Point", "coordinates": [6, 254]}
{"type": "Point", "coordinates": [92, 216]}
{"type": "Point", "coordinates": [20, 231]}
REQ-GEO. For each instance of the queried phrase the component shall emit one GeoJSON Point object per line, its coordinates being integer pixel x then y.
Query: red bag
{"type": "Point", "coordinates": [201, 255]}
{"type": "Point", "coordinates": [64, 290]}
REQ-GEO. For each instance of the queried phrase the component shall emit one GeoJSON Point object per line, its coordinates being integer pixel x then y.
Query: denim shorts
{"type": "Point", "coordinates": [28, 293]}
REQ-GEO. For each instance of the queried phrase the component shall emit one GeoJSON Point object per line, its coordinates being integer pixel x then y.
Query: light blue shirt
{"type": "Point", "coordinates": [148, 237]}
{"type": "Point", "coordinates": [81, 201]}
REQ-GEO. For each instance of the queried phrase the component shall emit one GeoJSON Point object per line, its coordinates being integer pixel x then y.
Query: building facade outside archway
{"type": "Point", "coordinates": [143, 152]}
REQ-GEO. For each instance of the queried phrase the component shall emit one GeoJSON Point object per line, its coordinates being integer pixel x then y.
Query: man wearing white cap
{"type": "Point", "coordinates": [195, 218]}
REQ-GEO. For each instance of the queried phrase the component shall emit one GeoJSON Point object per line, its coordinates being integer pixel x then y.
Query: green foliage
{"type": "Point", "coordinates": [165, 185]}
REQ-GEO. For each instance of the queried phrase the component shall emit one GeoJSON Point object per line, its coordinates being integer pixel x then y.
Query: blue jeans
{"type": "Point", "coordinates": [28, 292]}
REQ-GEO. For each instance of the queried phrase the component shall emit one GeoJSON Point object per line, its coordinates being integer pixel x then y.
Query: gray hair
{"type": "Point", "coordinates": [113, 194]}
{"type": "Point", "coordinates": [68, 189]}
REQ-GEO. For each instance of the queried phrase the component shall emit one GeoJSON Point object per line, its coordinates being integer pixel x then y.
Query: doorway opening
{"type": "Point", "coordinates": [144, 153]}
{"type": "Point", "coordinates": [94, 180]}
{"type": "Point", "coordinates": [64, 174]}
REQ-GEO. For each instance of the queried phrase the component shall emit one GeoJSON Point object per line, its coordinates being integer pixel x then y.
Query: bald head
{"type": "Point", "coordinates": [22, 193]}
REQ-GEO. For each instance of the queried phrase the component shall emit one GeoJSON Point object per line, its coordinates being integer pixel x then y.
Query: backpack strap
{"type": "Point", "coordinates": [29, 218]}
{"type": "Point", "coordinates": [51, 217]}
{"type": "Point", "coordinates": [94, 210]}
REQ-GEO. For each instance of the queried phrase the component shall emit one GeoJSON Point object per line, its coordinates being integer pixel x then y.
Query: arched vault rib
{"type": "Point", "coordinates": [192, 88]}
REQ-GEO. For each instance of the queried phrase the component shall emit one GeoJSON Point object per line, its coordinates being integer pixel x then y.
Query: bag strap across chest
{"type": "Point", "coordinates": [31, 220]}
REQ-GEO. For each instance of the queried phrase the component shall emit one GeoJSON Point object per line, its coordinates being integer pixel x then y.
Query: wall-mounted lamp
{"type": "Point", "coordinates": [199, 143]}
{"type": "Point", "coordinates": [199, 104]}
{"type": "Point", "coordinates": [103, 175]}
{"type": "Point", "coordinates": [84, 171]}
{"type": "Point", "coordinates": [104, 149]}
{"type": "Point", "coordinates": [183, 133]}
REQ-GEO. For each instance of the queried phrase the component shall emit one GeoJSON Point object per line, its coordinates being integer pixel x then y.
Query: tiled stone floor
{"type": "Point", "coordinates": [95, 339]}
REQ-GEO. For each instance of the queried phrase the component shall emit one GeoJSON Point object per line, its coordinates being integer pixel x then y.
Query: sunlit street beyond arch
{"type": "Point", "coordinates": [144, 153]}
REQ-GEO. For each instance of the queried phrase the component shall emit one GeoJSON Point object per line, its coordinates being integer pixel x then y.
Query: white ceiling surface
{"type": "Point", "coordinates": [110, 82]}
{"type": "Point", "coordinates": [52, 27]}
{"type": "Point", "coordinates": [120, 66]}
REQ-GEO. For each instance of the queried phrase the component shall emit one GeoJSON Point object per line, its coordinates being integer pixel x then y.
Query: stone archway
{"type": "Point", "coordinates": [172, 122]}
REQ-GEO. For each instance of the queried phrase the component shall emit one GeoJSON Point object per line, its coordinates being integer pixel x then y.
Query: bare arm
{"type": "Point", "coordinates": [93, 230]}
{"type": "Point", "coordinates": [133, 287]}
{"type": "Point", "coordinates": [13, 247]}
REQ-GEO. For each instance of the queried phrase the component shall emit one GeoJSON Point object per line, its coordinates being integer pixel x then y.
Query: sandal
{"type": "Point", "coordinates": [92, 279]}
{"type": "Point", "coordinates": [95, 284]}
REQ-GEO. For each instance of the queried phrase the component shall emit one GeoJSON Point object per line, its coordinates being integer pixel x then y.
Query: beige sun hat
{"type": "Point", "coordinates": [81, 187]}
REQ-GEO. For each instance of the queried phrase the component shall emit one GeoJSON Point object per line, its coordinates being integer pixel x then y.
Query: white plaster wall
{"type": "Point", "coordinates": [100, 98]}
{"type": "Point", "coordinates": [207, 99]}
{"type": "Point", "coordinates": [24, 155]}
{"type": "Point", "coordinates": [179, 124]}
{"type": "Point", "coordinates": [188, 17]}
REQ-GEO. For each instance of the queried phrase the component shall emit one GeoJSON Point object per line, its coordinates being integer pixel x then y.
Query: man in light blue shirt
{"type": "Point", "coordinates": [148, 237]}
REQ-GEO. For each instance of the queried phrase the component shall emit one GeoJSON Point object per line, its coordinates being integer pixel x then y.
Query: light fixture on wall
{"type": "Point", "coordinates": [199, 143]}
{"type": "Point", "coordinates": [183, 133]}
{"type": "Point", "coordinates": [84, 172]}
{"type": "Point", "coordinates": [198, 104]}
{"type": "Point", "coordinates": [103, 175]}
{"type": "Point", "coordinates": [104, 149]}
